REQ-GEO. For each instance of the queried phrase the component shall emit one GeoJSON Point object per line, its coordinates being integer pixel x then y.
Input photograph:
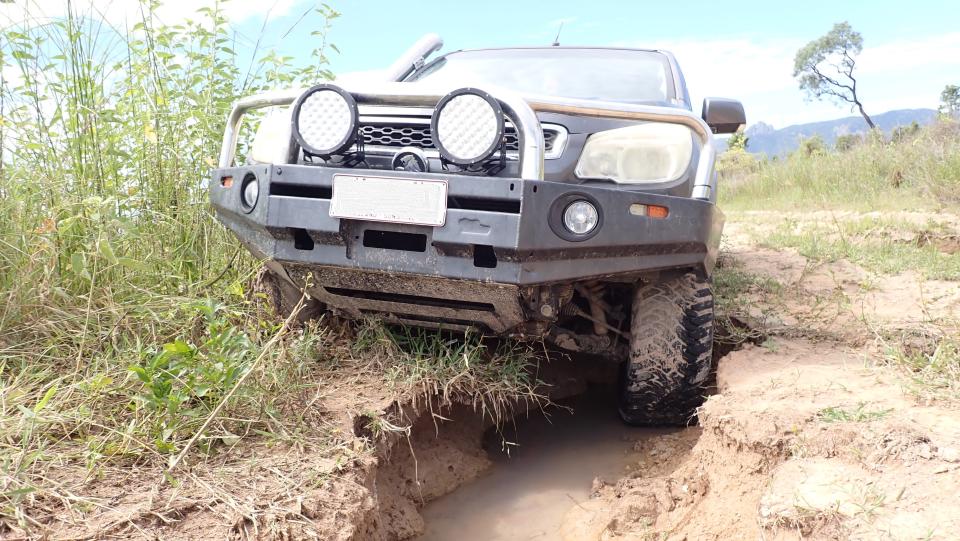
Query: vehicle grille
{"type": "Point", "coordinates": [400, 135]}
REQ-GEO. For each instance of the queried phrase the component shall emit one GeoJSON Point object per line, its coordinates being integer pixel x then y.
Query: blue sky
{"type": "Point", "coordinates": [732, 49]}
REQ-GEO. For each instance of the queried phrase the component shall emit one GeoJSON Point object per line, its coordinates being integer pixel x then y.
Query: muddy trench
{"type": "Point", "coordinates": [456, 475]}
{"type": "Point", "coordinates": [541, 467]}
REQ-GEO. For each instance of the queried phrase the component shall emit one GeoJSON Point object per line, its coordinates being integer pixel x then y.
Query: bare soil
{"type": "Point", "coordinates": [769, 465]}
{"type": "Point", "coordinates": [808, 436]}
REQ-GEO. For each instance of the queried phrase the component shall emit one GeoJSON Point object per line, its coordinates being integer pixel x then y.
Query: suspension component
{"type": "Point", "coordinates": [593, 293]}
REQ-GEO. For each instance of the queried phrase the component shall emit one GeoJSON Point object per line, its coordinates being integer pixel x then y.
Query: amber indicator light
{"type": "Point", "coordinates": [651, 211]}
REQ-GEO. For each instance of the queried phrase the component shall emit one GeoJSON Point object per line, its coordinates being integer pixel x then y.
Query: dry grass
{"type": "Point", "coordinates": [883, 245]}
{"type": "Point", "coordinates": [929, 361]}
{"type": "Point", "coordinates": [919, 172]}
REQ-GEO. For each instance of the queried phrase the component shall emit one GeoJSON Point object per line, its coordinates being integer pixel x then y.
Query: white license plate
{"type": "Point", "coordinates": [385, 199]}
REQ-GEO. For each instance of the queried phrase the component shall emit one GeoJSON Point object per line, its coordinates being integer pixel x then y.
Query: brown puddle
{"type": "Point", "coordinates": [549, 470]}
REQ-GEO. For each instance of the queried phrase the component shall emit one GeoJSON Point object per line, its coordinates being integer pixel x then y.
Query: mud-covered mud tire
{"type": "Point", "coordinates": [671, 343]}
{"type": "Point", "coordinates": [281, 297]}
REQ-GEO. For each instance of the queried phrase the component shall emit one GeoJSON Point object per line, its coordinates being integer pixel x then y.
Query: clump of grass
{"type": "Point", "coordinates": [881, 245]}
{"type": "Point", "coordinates": [860, 414]}
{"type": "Point", "coordinates": [494, 376]}
{"type": "Point", "coordinates": [932, 368]}
{"type": "Point", "coordinates": [919, 172]}
{"type": "Point", "coordinates": [739, 315]}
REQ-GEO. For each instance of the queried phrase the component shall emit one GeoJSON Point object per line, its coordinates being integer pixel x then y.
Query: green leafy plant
{"type": "Point", "coordinates": [183, 380]}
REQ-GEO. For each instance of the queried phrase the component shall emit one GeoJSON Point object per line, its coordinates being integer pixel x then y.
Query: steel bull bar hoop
{"type": "Point", "coordinates": [401, 94]}
{"type": "Point", "coordinates": [520, 109]}
{"type": "Point", "coordinates": [704, 185]}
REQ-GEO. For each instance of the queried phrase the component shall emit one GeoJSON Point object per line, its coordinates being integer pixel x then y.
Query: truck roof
{"type": "Point", "coordinates": [598, 47]}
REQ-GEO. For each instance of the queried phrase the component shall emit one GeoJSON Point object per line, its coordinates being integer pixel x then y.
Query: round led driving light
{"type": "Point", "coordinates": [580, 217]}
{"type": "Point", "coordinates": [325, 120]}
{"type": "Point", "coordinates": [467, 126]}
{"type": "Point", "coordinates": [249, 191]}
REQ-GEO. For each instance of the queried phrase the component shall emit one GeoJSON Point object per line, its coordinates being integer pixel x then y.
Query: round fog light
{"type": "Point", "coordinates": [468, 126]}
{"type": "Point", "coordinates": [325, 120]}
{"type": "Point", "coordinates": [250, 192]}
{"type": "Point", "coordinates": [580, 217]}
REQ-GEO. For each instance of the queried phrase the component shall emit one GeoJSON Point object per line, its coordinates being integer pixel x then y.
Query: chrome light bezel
{"type": "Point", "coordinates": [498, 137]}
{"type": "Point", "coordinates": [250, 178]}
{"type": "Point", "coordinates": [346, 141]}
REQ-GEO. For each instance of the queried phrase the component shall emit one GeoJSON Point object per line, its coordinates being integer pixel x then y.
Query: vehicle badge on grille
{"type": "Point", "coordinates": [410, 159]}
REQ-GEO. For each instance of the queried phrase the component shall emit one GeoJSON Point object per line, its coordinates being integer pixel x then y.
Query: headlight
{"type": "Point", "coordinates": [580, 217]}
{"type": "Point", "coordinates": [272, 140]}
{"type": "Point", "coordinates": [467, 126]}
{"type": "Point", "coordinates": [645, 153]}
{"type": "Point", "coordinates": [325, 120]}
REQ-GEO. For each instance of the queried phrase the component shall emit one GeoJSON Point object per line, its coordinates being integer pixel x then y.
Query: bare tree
{"type": "Point", "coordinates": [824, 67]}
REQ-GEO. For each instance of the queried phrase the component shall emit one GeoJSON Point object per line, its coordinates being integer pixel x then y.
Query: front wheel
{"type": "Point", "coordinates": [671, 343]}
{"type": "Point", "coordinates": [282, 297]}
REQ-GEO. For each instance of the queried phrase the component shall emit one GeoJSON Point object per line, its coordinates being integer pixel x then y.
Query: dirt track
{"type": "Point", "coordinates": [807, 437]}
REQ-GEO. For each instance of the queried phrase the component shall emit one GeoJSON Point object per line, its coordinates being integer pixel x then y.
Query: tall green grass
{"type": "Point", "coordinates": [124, 315]}
{"type": "Point", "coordinates": [918, 171]}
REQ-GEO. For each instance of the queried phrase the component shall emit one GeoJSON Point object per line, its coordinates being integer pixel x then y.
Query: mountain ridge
{"type": "Point", "coordinates": [765, 139]}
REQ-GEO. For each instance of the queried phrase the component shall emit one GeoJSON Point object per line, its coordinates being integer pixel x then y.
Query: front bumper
{"type": "Point", "coordinates": [495, 241]}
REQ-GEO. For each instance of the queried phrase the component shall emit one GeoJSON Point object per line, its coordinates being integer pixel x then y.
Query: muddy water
{"type": "Point", "coordinates": [549, 469]}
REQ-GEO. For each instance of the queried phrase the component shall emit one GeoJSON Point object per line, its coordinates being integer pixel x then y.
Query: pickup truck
{"type": "Point", "coordinates": [564, 194]}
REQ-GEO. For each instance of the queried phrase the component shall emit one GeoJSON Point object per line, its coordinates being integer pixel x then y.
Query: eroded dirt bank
{"type": "Point", "coordinates": [774, 463]}
{"type": "Point", "coordinates": [808, 436]}
{"type": "Point", "coordinates": [812, 435]}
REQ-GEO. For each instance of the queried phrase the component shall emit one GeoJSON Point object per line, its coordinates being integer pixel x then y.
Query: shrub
{"type": "Point", "coordinates": [812, 146]}
{"type": "Point", "coordinates": [844, 143]}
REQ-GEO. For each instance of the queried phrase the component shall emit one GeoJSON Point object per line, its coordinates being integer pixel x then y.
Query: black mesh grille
{"type": "Point", "coordinates": [397, 136]}
{"type": "Point", "coordinates": [406, 135]}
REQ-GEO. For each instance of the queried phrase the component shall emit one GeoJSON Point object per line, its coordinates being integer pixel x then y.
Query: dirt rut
{"type": "Point", "coordinates": [772, 463]}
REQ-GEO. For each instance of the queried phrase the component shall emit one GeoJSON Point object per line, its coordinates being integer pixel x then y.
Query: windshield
{"type": "Point", "coordinates": [600, 74]}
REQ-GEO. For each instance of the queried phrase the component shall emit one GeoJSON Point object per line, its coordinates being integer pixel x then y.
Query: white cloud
{"type": "Point", "coordinates": [11, 76]}
{"type": "Point", "coordinates": [120, 11]}
{"type": "Point", "coordinates": [892, 75]}
{"type": "Point", "coordinates": [942, 51]}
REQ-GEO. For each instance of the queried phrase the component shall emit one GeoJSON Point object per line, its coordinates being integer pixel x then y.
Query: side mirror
{"type": "Point", "coordinates": [723, 115]}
